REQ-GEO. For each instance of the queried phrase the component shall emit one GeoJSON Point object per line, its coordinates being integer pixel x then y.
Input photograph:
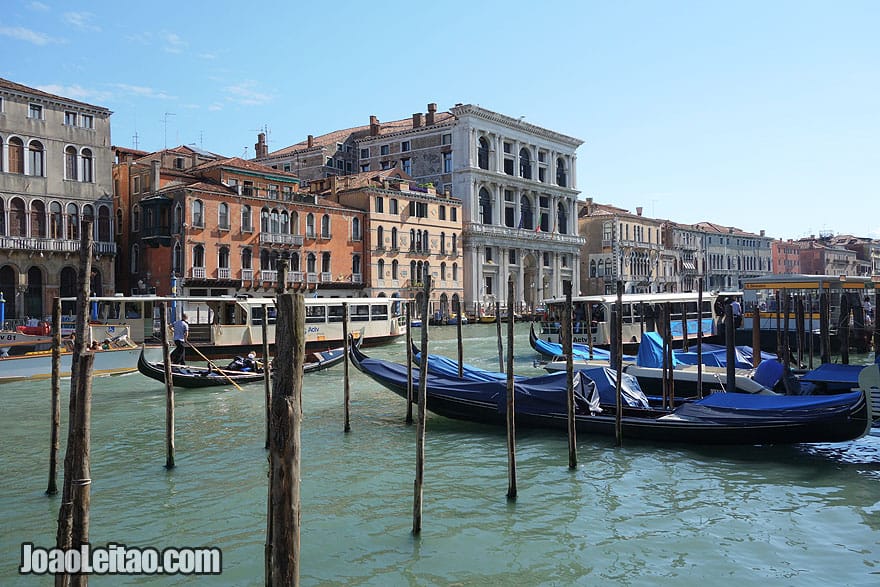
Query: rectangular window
{"type": "Point", "coordinates": [365, 167]}
{"type": "Point", "coordinates": [441, 212]}
{"type": "Point", "coordinates": [339, 146]}
{"type": "Point", "coordinates": [273, 192]}
{"type": "Point", "coordinates": [383, 150]}
{"type": "Point", "coordinates": [508, 166]}
{"type": "Point", "coordinates": [287, 167]}
{"type": "Point", "coordinates": [406, 164]}
{"type": "Point", "coordinates": [447, 139]}
{"type": "Point", "coordinates": [488, 254]}
{"type": "Point", "coordinates": [508, 147]}
{"type": "Point", "coordinates": [87, 121]}
{"type": "Point", "coordinates": [348, 166]}
{"type": "Point", "coordinates": [365, 153]}
{"type": "Point", "coordinates": [542, 174]}
{"type": "Point", "coordinates": [329, 162]}
{"type": "Point", "coordinates": [404, 146]}
{"type": "Point", "coordinates": [70, 119]}
{"type": "Point", "coordinates": [340, 164]}
{"type": "Point", "coordinates": [385, 165]}
{"type": "Point", "coordinates": [380, 205]}
{"type": "Point", "coordinates": [447, 162]}
{"type": "Point", "coordinates": [454, 214]}
{"type": "Point", "coordinates": [511, 256]}
{"type": "Point", "coordinates": [35, 111]}
{"type": "Point", "coordinates": [136, 184]}
{"type": "Point", "coordinates": [508, 195]}
{"type": "Point", "coordinates": [248, 188]}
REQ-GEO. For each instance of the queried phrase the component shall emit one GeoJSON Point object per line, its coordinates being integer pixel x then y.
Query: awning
{"type": "Point", "coordinates": [688, 265]}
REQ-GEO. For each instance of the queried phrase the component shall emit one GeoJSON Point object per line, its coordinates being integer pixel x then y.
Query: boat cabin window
{"type": "Point", "coordinates": [360, 313]}
{"type": "Point", "coordinates": [315, 314]}
{"type": "Point", "coordinates": [132, 310]}
{"type": "Point", "coordinates": [257, 315]}
{"type": "Point", "coordinates": [627, 314]}
{"type": "Point", "coordinates": [336, 313]}
{"type": "Point", "coordinates": [379, 312]}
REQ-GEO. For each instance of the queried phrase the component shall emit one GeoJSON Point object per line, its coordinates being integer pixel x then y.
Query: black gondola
{"type": "Point", "coordinates": [192, 377]}
{"type": "Point", "coordinates": [721, 418]}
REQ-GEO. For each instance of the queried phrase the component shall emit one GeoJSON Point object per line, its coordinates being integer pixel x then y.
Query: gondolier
{"type": "Point", "coordinates": [181, 335]}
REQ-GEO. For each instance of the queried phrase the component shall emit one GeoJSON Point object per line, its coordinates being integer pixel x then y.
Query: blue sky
{"type": "Point", "coordinates": [760, 115]}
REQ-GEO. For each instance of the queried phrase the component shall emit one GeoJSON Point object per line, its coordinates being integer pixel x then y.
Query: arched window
{"type": "Point", "coordinates": [275, 222]}
{"type": "Point", "coordinates": [118, 221]}
{"type": "Point", "coordinates": [247, 221]}
{"type": "Point", "coordinates": [56, 221]}
{"type": "Point", "coordinates": [199, 256]}
{"type": "Point", "coordinates": [560, 172]}
{"type": "Point", "coordinates": [178, 219]}
{"type": "Point", "coordinates": [310, 263]}
{"type": "Point", "coordinates": [16, 155]}
{"type": "Point", "coordinates": [264, 220]}
{"type": "Point", "coordinates": [17, 218]}
{"type": "Point", "coordinates": [355, 229]}
{"type": "Point", "coordinates": [294, 222]}
{"type": "Point", "coordinates": [325, 226]}
{"type": "Point", "coordinates": [294, 262]}
{"type": "Point", "coordinates": [425, 248]}
{"type": "Point", "coordinates": [380, 238]}
{"type": "Point", "coordinates": [198, 214]}
{"type": "Point", "coordinates": [104, 231]}
{"type": "Point", "coordinates": [393, 238]}
{"type": "Point", "coordinates": [483, 153]}
{"type": "Point", "coordinates": [38, 219]}
{"type": "Point", "coordinates": [355, 264]}
{"type": "Point", "coordinates": [2, 216]}
{"type": "Point", "coordinates": [223, 258]}
{"type": "Point", "coordinates": [88, 166]}
{"type": "Point", "coordinates": [454, 243]}
{"type": "Point", "coordinates": [443, 271]}
{"type": "Point", "coordinates": [562, 219]}
{"type": "Point", "coordinates": [70, 163]}
{"type": "Point", "coordinates": [412, 239]}
{"type": "Point", "coordinates": [36, 159]}
{"type": "Point", "coordinates": [325, 262]}
{"type": "Point", "coordinates": [72, 222]}
{"type": "Point", "coordinates": [592, 268]}
{"type": "Point", "coordinates": [88, 213]}
{"type": "Point", "coordinates": [310, 225]}
{"type": "Point", "coordinates": [394, 267]}
{"type": "Point", "coordinates": [247, 259]}
{"type": "Point", "coordinates": [135, 259]}
{"type": "Point", "coordinates": [223, 215]}
{"type": "Point", "coordinates": [527, 217]}
{"type": "Point", "coordinates": [601, 267]}
{"type": "Point", "coordinates": [177, 259]}
{"type": "Point", "coordinates": [412, 272]}
{"type": "Point", "coordinates": [485, 206]}
{"type": "Point", "coordinates": [380, 269]}
{"type": "Point", "coordinates": [285, 223]}
{"type": "Point", "coordinates": [455, 271]}
{"type": "Point", "coordinates": [525, 164]}
{"type": "Point", "coordinates": [442, 243]}
{"type": "Point", "coordinates": [265, 261]}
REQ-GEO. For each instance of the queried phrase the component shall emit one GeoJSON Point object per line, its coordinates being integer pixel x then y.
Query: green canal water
{"type": "Point", "coordinates": [643, 514]}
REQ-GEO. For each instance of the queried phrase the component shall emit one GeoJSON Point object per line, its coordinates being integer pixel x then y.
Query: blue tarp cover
{"type": "Point", "coordinates": [651, 351]}
{"type": "Point", "coordinates": [834, 373]}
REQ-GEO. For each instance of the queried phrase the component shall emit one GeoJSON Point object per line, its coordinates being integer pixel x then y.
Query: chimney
{"type": "Point", "coordinates": [194, 158]}
{"type": "Point", "coordinates": [432, 109]}
{"type": "Point", "coordinates": [156, 175]}
{"type": "Point", "coordinates": [417, 120]}
{"type": "Point", "coordinates": [374, 126]}
{"type": "Point", "coordinates": [310, 142]}
{"type": "Point", "coordinates": [638, 210]}
{"type": "Point", "coordinates": [261, 148]}
{"type": "Point", "coordinates": [763, 232]}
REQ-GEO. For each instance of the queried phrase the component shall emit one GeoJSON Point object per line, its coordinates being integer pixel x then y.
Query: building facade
{"type": "Point", "coordinates": [55, 172]}
{"type": "Point", "coordinates": [786, 257]}
{"type": "Point", "coordinates": [515, 180]}
{"type": "Point", "coordinates": [733, 255]}
{"type": "Point", "coordinates": [687, 246]}
{"type": "Point", "coordinates": [410, 232]}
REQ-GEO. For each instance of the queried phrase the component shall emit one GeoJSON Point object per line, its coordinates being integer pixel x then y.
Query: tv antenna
{"type": "Point", "coordinates": [165, 123]}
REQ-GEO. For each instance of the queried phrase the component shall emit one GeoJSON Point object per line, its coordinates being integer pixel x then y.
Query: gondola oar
{"type": "Point", "coordinates": [216, 368]}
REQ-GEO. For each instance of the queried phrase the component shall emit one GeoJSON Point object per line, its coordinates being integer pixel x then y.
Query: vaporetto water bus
{"type": "Point", "coordinates": [592, 317]}
{"type": "Point", "coordinates": [226, 326]}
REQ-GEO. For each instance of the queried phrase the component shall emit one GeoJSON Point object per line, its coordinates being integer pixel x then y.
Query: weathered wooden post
{"type": "Point", "coordinates": [267, 380]}
{"type": "Point", "coordinates": [876, 318]}
{"type": "Point", "coordinates": [418, 485]}
{"type": "Point", "coordinates": [458, 334]}
{"type": "Point", "coordinates": [756, 336]}
{"type": "Point", "coordinates": [664, 350]}
{"type": "Point", "coordinates": [409, 363]}
{"type": "Point", "coordinates": [73, 514]}
{"type": "Point", "coordinates": [346, 389]}
{"type": "Point", "coordinates": [283, 549]}
{"type": "Point", "coordinates": [730, 342]}
{"type": "Point", "coordinates": [799, 316]}
{"type": "Point", "coordinates": [700, 337]}
{"type": "Point", "coordinates": [498, 332]}
{"type": "Point", "coordinates": [843, 328]}
{"type": "Point", "coordinates": [618, 364]}
{"type": "Point", "coordinates": [641, 320]}
{"type": "Point", "coordinates": [779, 351]}
{"type": "Point", "coordinates": [786, 338]}
{"type": "Point", "coordinates": [590, 328]}
{"type": "Point", "coordinates": [511, 406]}
{"type": "Point", "coordinates": [668, 358]}
{"type": "Point", "coordinates": [684, 327]}
{"type": "Point", "coordinates": [169, 388]}
{"type": "Point", "coordinates": [569, 377]}
{"type": "Point", "coordinates": [55, 435]}
{"type": "Point", "coordinates": [811, 341]}
{"type": "Point", "coordinates": [824, 327]}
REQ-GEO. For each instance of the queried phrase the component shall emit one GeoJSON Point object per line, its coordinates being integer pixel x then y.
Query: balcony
{"type": "Point", "coordinates": [197, 273]}
{"type": "Point", "coordinates": [54, 245]}
{"type": "Point", "coordinates": [281, 239]}
{"type": "Point", "coordinates": [247, 274]}
{"type": "Point", "coordinates": [295, 277]}
{"type": "Point", "coordinates": [326, 277]}
{"type": "Point", "coordinates": [268, 275]}
{"type": "Point", "coordinates": [357, 278]}
{"type": "Point", "coordinates": [494, 232]}
{"type": "Point", "coordinates": [224, 273]}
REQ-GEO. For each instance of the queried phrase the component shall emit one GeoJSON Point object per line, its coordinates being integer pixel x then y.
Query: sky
{"type": "Point", "coordinates": [761, 115]}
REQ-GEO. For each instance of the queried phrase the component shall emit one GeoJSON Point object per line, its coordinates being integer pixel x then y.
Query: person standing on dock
{"type": "Point", "coordinates": [737, 313]}
{"type": "Point", "coordinates": [181, 334]}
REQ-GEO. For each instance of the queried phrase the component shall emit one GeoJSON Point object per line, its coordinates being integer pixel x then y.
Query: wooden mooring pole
{"type": "Point", "coordinates": [618, 364]}
{"type": "Point", "coordinates": [267, 378]}
{"type": "Point", "coordinates": [73, 514]}
{"type": "Point", "coordinates": [730, 342]}
{"type": "Point", "coordinates": [498, 332]}
{"type": "Point", "coordinates": [346, 388]}
{"type": "Point", "coordinates": [756, 337]}
{"type": "Point", "coordinates": [409, 363]}
{"type": "Point", "coordinates": [684, 327]}
{"type": "Point", "coordinates": [569, 377]}
{"type": "Point", "coordinates": [843, 328]}
{"type": "Point", "coordinates": [700, 338]}
{"type": "Point", "coordinates": [824, 327]}
{"type": "Point", "coordinates": [283, 548]}
{"type": "Point", "coordinates": [811, 341]}
{"type": "Point", "coordinates": [458, 335]}
{"type": "Point", "coordinates": [418, 484]}
{"type": "Point", "coordinates": [169, 388]}
{"type": "Point", "coordinates": [590, 328]}
{"type": "Point", "coordinates": [511, 406]}
{"type": "Point", "coordinates": [55, 435]}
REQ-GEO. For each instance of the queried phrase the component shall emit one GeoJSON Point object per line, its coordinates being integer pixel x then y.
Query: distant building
{"type": "Point", "coordinates": [822, 257]}
{"type": "Point", "coordinates": [410, 232]}
{"type": "Point", "coordinates": [786, 257]}
{"type": "Point", "coordinates": [54, 173]}
{"type": "Point", "coordinates": [212, 225]}
{"type": "Point", "coordinates": [733, 255]}
{"type": "Point", "coordinates": [687, 245]}
{"type": "Point", "coordinates": [516, 182]}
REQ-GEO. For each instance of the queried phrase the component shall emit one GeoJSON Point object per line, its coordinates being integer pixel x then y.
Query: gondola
{"type": "Point", "coordinates": [193, 377]}
{"type": "Point", "coordinates": [721, 418]}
